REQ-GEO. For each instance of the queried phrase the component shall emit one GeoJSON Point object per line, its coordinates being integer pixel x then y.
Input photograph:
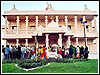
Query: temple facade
{"type": "Point", "coordinates": [61, 27]}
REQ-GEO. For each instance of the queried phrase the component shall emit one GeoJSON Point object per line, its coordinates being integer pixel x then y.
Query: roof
{"type": "Point", "coordinates": [50, 11]}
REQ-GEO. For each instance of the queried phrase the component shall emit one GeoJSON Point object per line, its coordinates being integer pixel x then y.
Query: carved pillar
{"type": "Point", "coordinates": [60, 40]}
{"type": "Point", "coordinates": [9, 26]}
{"type": "Point", "coordinates": [76, 42]}
{"type": "Point", "coordinates": [95, 21]}
{"type": "Point", "coordinates": [17, 40]}
{"type": "Point", "coordinates": [86, 41]}
{"type": "Point", "coordinates": [57, 19]}
{"type": "Point", "coordinates": [6, 24]}
{"type": "Point", "coordinates": [17, 24]}
{"type": "Point", "coordinates": [75, 23]}
{"type": "Point", "coordinates": [97, 45]}
{"type": "Point", "coordinates": [85, 29]}
{"type": "Point", "coordinates": [69, 42]}
{"type": "Point", "coordinates": [26, 24]}
{"type": "Point", "coordinates": [5, 42]}
{"type": "Point", "coordinates": [85, 23]}
{"type": "Point", "coordinates": [36, 22]}
{"type": "Point", "coordinates": [46, 20]}
{"type": "Point", "coordinates": [66, 21]}
{"type": "Point", "coordinates": [47, 40]}
{"type": "Point", "coordinates": [26, 42]}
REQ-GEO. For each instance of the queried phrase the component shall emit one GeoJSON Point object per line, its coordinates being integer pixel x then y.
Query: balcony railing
{"type": "Point", "coordinates": [81, 30]}
{"type": "Point", "coordinates": [22, 31]}
{"type": "Point", "coordinates": [70, 31]}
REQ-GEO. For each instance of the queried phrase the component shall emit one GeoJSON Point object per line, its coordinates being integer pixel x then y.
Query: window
{"type": "Point", "coordinates": [69, 27]}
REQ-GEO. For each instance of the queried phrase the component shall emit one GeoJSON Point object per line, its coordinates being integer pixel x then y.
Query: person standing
{"type": "Point", "coordinates": [14, 52]}
{"type": "Point", "coordinates": [41, 53]}
{"type": "Point", "coordinates": [11, 53]}
{"type": "Point", "coordinates": [7, 50]}
{"type": "Point", "coordinates": [73, 51]}
{"type": "Point", "coordinates": [28, 55]}
{"type": "Point", "coordinates": [19, 52]}
{"type": "Point", "coordinates": [78, 52]}
{"type": "Point", "coordinates": [16, 49]}
{"type": "Point", "coordinates": [63, 52]}
{"type": "Point", "coordinates": [3, 52]}
{"type": "Point", "coordinates": [25, 51]}
{"type": "Point", "coordinates": [59, 52]}
{"type": "Point", "coordinates": [70, 51]}
{"type": "Point", "coordinates": [81, 52]}
{"type": "Point", "coordinates": [22, 52]}
{"type": "Point", "coordinates": [32, 53]}
{"type": "Point", "coordinates": [67, 53]}
{"type": "Point", "coordinates": [3, 49]}
{"type": "Point", "coordinates": [86, 52]}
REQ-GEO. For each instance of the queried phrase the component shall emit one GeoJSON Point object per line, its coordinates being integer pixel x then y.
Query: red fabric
{"type": "Point", "coordinates": [32, 52]}
{"type": "Point", "coordinates": [44, 53]}
{"type": "Point", "coordinates": [59, 51]}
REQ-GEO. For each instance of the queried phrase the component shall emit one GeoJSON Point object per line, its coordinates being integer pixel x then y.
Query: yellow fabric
{"type": "Point", "coordinates": [49, 50]}
{"type": "Point", "coordinates": [41, 50]}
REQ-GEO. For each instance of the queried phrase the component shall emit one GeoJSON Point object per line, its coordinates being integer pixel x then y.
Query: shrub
{"type": "Point", "coordinates": [31, 63]}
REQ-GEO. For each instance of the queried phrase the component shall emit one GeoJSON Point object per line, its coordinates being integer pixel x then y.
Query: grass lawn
{"type": "Point", "coordinates": [90, 66]}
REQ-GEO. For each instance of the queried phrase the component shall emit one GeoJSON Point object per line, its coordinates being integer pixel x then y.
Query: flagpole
{"type": "Point", "coordinates": [36, 40]}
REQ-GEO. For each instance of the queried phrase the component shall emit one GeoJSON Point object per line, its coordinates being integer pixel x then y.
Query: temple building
{"type": "Point", "coordinates": [60, 27]}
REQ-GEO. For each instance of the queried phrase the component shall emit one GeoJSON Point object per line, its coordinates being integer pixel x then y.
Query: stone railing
{"type": "Point", "coordinates": [89, 32]}
{"type": "Point", "coordinates": [69, 31]}
{"type": "Point", "coordinates": [22, 31]}
{"type": "Point", "coordinates": [81, 30]}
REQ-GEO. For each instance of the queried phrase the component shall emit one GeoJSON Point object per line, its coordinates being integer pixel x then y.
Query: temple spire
{"type": "Point", "coordinates": [85, 6]}
{"type": "Point", "coordinates": [49, 7]}
{"type": "Point", "coordinates": [14, 6]}
{"type": "Point", "coordinates": [47, 4]}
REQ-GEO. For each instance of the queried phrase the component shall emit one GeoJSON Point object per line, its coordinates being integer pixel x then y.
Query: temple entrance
{"type": "Point", "coordinates": [53, 39]}
{"type": "Point", "coordinates": [41, 41]}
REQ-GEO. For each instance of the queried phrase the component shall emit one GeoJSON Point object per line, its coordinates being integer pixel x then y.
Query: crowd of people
{"type": "Point", "coordinates": [76, 52]}
{"type": "Point", "coordinates": [26, 52]}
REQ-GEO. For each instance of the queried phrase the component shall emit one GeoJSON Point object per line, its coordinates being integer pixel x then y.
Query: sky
{"type": "Point", "coordinates": [57, 5]}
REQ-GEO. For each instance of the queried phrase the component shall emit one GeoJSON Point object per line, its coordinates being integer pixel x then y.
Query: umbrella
{"type": "Point", "coordinates": [54, 45]}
